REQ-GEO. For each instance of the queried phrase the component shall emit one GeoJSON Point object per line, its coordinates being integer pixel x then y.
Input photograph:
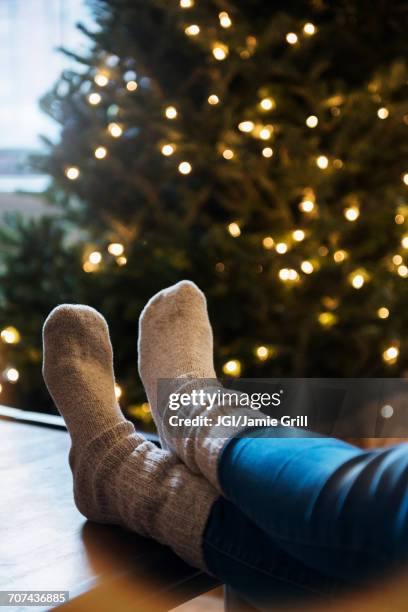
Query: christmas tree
{"type": "Point", "coordinates": [256, 148]}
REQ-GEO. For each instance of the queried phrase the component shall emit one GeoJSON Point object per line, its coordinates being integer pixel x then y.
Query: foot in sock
{"type": "Point", "coordinates": [119, 477]}
{"type": "Point", "coordinates": [176, 342]}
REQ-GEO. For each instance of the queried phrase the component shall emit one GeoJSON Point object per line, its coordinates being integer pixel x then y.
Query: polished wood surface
{"type": "Point", "coordinates": [46, 544]}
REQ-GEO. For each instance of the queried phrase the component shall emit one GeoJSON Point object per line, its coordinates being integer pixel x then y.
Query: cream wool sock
{"type": "Point", "coordinates": [176, 342]}
{"type": "Point", "coordinates": [119, 477]}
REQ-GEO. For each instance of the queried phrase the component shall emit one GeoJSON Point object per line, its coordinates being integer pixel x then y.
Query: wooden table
{"type": "Point", "coordinates": [46, 544]}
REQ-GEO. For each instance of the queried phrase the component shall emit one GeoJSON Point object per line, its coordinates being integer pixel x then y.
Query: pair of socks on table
{"type": "Point", "coordinates": [120, 477]}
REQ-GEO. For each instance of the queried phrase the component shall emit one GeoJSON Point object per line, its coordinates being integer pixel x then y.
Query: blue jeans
{"type": "Point", "coordinates": [306, 515]}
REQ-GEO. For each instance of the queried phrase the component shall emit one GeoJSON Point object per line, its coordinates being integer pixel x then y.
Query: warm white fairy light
{"type": "Point", "coordinates": [307, 267]}
{"type": "Point", "coordinates": [339, 256]}
{"type": "Point", "coordinates": [131, 85]}
{"type": "Point", "coordinates": [352, 213]}
{"type": "Point", "coordinates": [168, 149]}
{"type": "Point", "coordinates": [171, 112]}
{"type": "Point", "coordinates": [262, 352]}
{"type": "Point", "coordinates": [118, 391]}
{"type": "Point", "coordinates": [186, 4]}
{"type": "Point", "coordinates": [234, 229]}
{"type": "Point", "coordinates": [288, 274]}
{"type": "Point", "coordinates": [267, 152]}
{"type": "Point", "coordinates": [383, 313]}
{"type": "Point", "coordinates": [101, 79]}
{"type": "Point", "coordinates": [405, 178]}
{"type": "Point", "coordinates": [291, 38]}
{"type": "Point", "coordinates": [185, 167]}
{"type": "Point", "coordinates": [100, 152]}
{"type": "Point", "coordinates": [397, 260]}
{"type": "Point", "coordinates": [309, 29]}
{"type": "Point", "coordinates": [281, 248]}
{"type": "Point", "coordinates": [225, 20]}
{"type": "Point", "coordinates": [267, 104]}
{"type": "Point", "coordinates": [402, 271]}
{"type": "Point", "coordinates": [115, 130]}
{"type": "Point", "coordinates": [246, 126]}
{"type": "Point", "coordinates": [94, 98]}
{"type": "Point", "coordinates": [322, 162]}
{"type": "Point", "coordinates": [265, 133]}
{"type": "Point", "coordinates": [383, 113]}
{"type": "Point", "coordinates": [298, 235]}
{"type": "Point", "coordinates": [312, 121]}
{"type": "Point", "coordinates": [358, 278]}
{"type": "Point", "coordinates": [232, 367]}
{"type": "Point", "coordinates": [404, 241]}
{"type": "Point", "coordinates": [95, 257]}
{"type": "Point", "coordinates": [399, 219]}
{"type": "Point", "coordinates": [121, 261]}
{"type": "Point", "coordinates": [116, 249]}
{"type": "Point", "coordinates": [11, 374]}
{"type": "Point", "coordinates": [220, 51]}
{"type": "Point", "coordinates": [72, 173]}
{"type": "Point", "coordinates": [327, 319]}
{"type": "Point", "coordinates": [307, 205]}
{"type": "Point", "coordinates": [192, 30]}
{"type": "Point", "coordinates": [10, 335]}
{"type": "Point", "coordinates": [228, 154]}
{"type": "Point", "coordinates": [268, 243]}
{"type": "Point", "coordinates": [213, 99]}
{"type": "Point", "coordinates": [390, 355]}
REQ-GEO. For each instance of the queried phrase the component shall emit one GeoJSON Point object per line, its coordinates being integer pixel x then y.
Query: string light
{"type": "Point", "coordinates": [11, 374]}
{"type": "Point", "coordinates": [168, 149]}
{"type": "Point", "coordinates": [312, 121]}
{"type": "Point", "coordinates": [298, 235]}
{"type": "Point", "coordinates": [100, 152]}
{"type": "Point", "coordinates": [307, 267]}
{"type": "Point", "coordinates": [265, 133]}
{"type": "Point", "coordinates": [352, 213]}
{"type": "Point", "coordinates": [267, 104]}
{"type": "Point", "coordinates": [232, 367]}
{"type": "Point", "coordinates": [402, 271]}
{"type": "Point", "coordinates": [10, 335]}
{"type": "Point", "coordinates": [268, 243]}
{"type": "Point", "coordinates": [399, 219]}
{"type": "Point", "coordinates": [327, 319]}
{"type": "Point", "coordinates": [171, 112]}
{"type": "Point", "coordinates": [383, 113]}
{"type": "Point", "coordinates": [94, 99]}
{"type": "Point", "coordinates": [358, 278]}
{"type": "Point", "coordinates": [383, 312]}
{"type": "Point", "coordinates": [121, 261]}
{"type": "Point", "coordinates": [220, 51]}
{"type": "Point", "coordinates": [288, 274]}
{"type": "Point", "coordinates": [309, 29]}
{"type": "Point", "coordinates": [95, 258]}
{"type": "Point", "coordinates": [404, 241]}
{"type": "Point", "coordinates": [281, 248]}
{"type": "Point", "coordinates": [225, 20]}
{"type": "Point", "coordinates": [116, 249]}
{"type": "Point", "coordinates": [118, 391]}
{"type": "Point", "coordinates": [234, 229]}
{"type": "Point", "coordinates": [390, 355]}
{"type": "Point", "coordinates": [397, 260]}
{"type": "Point", "coordinates": [72, 173]}
{"type": "Point", "coordinates": [322, 162]}
{"type": "Point", "coordinates": [131, 85]}
{"type": "Point", "coordinates": [307, 205]}
{"type": "Point", "coordinates": [339, 256]}
{"type": "Point", "coordinates": [186, 4]}
{"type": "Point", "coordinates": [228, 154]}
{"type": "Point", "coordinates": [291, 38]}
{"type": "Point", "coordinates": [192, 30]}
{"type": "Point", "coordinates": [115, 130]}
{"type": "Point", "coordinates": [88, 267]}
{"type": "Point", "coordinates": [185, 167]}
{"type": "Point", "coordinates": [246, 126]}
{"type": "Point", "coordinates": [267, 152]}
{"type": "Point", "coordinates": [262, 352]}
{"type": "Point", "coordinates": [101, 79]}
{"type": "Point", "coordinates": [213, 99]}
{"type": "Point", "coordinates": [405, 178]}
{"type": "Point", "coordinates": [323, 250]}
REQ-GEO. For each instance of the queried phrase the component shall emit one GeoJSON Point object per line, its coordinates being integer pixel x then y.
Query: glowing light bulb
{"type": "Point", "coordinates": [265, 133]}
{"type": "Point", "coordinates": [281, 248]}
{"type": "Point", "coordinates": [307, 267]}
{"type": "Point", "coordinates": [168, 149]}
{"type": "Point", "coordinates": [309, 29]}
{"type": "Point", "coordinates": [291, 38]}
{"type": "Point", "coordinates": [327, 319]}
{"type": "Point", "coordinates": [186, 4]}
{"type": "Point", "coordinates": [171, 112]}
{"type": "Point", "coordinates": [94, 99]}
{"type": "Point", "coordinates": [339, 256]}
{"type": "Point", "coordinates": [116, 249]}
{"type": "Point", "coordinates": [390, 355]}
{"type": "Point", "coordinates": [225, 20]}
{"type": "Point", "coordinates": [100, 152]}
{"type": "Point", "coordinates": [358, 278]}
{"type": "Point", "coordinates": [397, 260]}
{"type": "Point", "coordinates": [234, 229]}
{"type": "Point", "coordinates": [399, 219]}
{"type": "Point", "coordinates": [121, 261]}
{"type": "Point", "coordinates": [288, 274]}
{"type": "Point", "coordinates": [220, 51]}
{"type": "Point", "coordinates": [213, 99]}
{"type": "Point", "coordinates": [383, 113]}
{"type": "Point", "coordinates": [95, 258]}
{"type": "Point", "coordinates": [268, 243]}
{"type": "Point", "coordinates": [383, 312]}
{"type": "Point", "coordinates": [246, 126]}
{"type": "Point", "coordinates": [322, 162]}
{"type": "Point", "coordinates": [131, 85]}
{"type": "Point", "coordinates": [192, 30]}
{"type": "Point", "coordinates": [72, 173]}
{"type": "Point", "coordinates": [352, 213]}
{"type": "Point", "coordinates": [307, 206]}
{"type": "Point", "coordinates": [184, 167]}
{"type": "Point", "coordinates": [312, 121]}
{"type": "Point", "coordinates": [115, 130]}
{"type": "Point", "coordinates": [298, 235]}
{"type": "Point", "coordinates": [262, 352]}
{"type": "Point", "coordinates": [402, 271]}
{"type": "Point", "coordinates": [10, 335]}
{"type": "Point", "coordinates": [232, 367]}
{"type": "Point", "coordinates": [405, 178]}
{"type": "Point", "coordinates": [267, 152]}
{"type": "Point", "coordinates": [404, 241]}
{"type": "Point", "coordinates": [118, 391]}
{"type": "Point", "coordinates": [101, 79]}
{"type": "Point", "coordinates": [228, 154]}
{"type": "Point", "coordinates": [267, 104]}
{"type": "Point", "coordinates": [11, 374]}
